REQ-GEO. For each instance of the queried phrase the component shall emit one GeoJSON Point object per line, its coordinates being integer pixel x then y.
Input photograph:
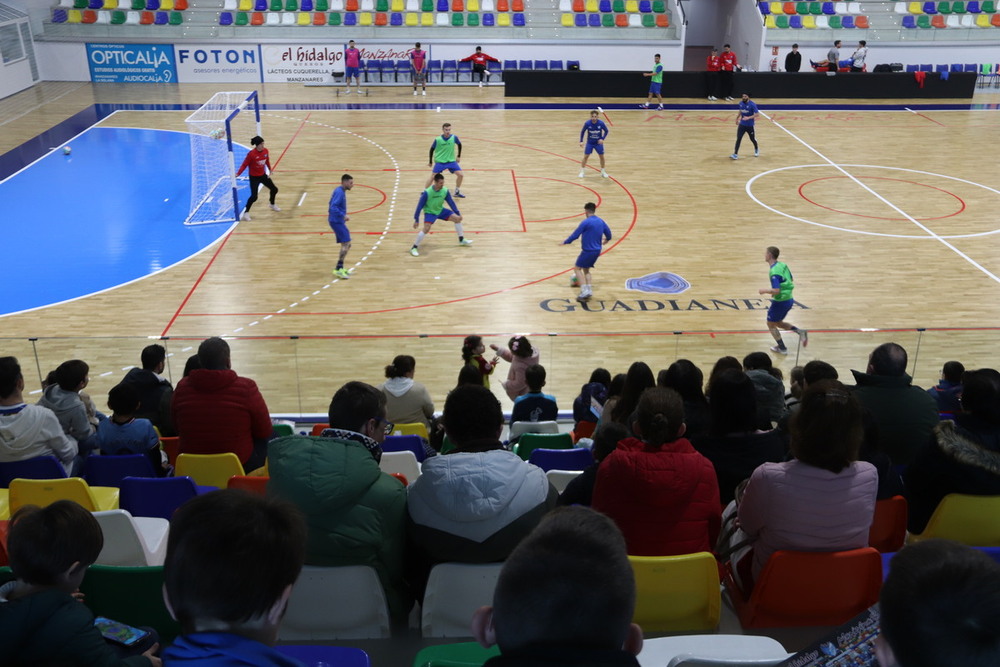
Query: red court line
{"type": "Point", "coordinates": [607, 118]}
{"type": "Point", "coordinates": [292, 140]}
{"type": "Point", "coordinates": [929, 118]}
{"type": "Point", "coordinates": [196, 283]}
{"type": "Point", "coordinates": [517, 196]}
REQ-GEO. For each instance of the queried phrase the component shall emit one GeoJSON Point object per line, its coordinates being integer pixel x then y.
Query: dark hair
{"type": "Point", "coordinates": [940, 606]}
{"type": "Point", "coordinates": [354, 404]}
{"type": "Point", "coordinates": [213, 353]}
{"type": "Point", "coordinates": [520, 346]}
{"type": "Point", "coordinates": [773, 251]}
{"type": "Point", "coordinates": [836, 42]}
{"type": "Point", "coordinates": [346, 177]}
{"type": "Point", "coordinates": [537, 598]}
{"type": "Point", "coordinates": [123, 399]}
{"type": "Point", "coordinates": [469, 345]}
{"type": "Point", "coordinates": [685, 378]}
{"type": "Point", "coordinates": [981, 394]}
{"type": "Point", "coordinates": [70, 374]}
{"type": "Point", "coordinates": [617, 385]}
{"type": "Point", "coordinates": [638, 379]}
{"type": "Point", "coordinates": [479, 48]}
{"type": "Point", "coordinates": [469, 375]}
{"type": "Point", "coordinates": [471, 412]}
{"type": "Point", "coordinates": [50, 379]}
{"type": "Point", "coordinates": [534, 377]}
{"type": "Point", "coordinates": [152, 356]}
{"type": "Point", "coordinates": [888, 359]}
{"type": "Point", "coordinates": [10, 373]}
{"type": "Point", "coordinates": [193, 363]}
{"type": "Point", "coordinates": [439, 177]}
{"type": "Point", "coordinates": [761, 361]}
{"type": "Point", "coordinates": [795, 46]}
{"type": "Point", "coordinates": [590, 206]}
{"type": "Point", "coordinates": [601, 375]}
{"type": "Point", "coordinates": [862, 42]}
{"type": "Point", "coordinates": [44, 542]}
{"type": "Point", "coordinates": [606, 438]}
{"type": "Point", "coordinates": [656, 55]}
{"type": "Point", "coordinates": [725, 46]}
{"type": "Point", "coordinates": [208, 574]}
{"type": "Point", "coordinates": [827, 429]}
{"type": "Point", "coordinates": [817, 370]}
{"type": "Point", "coordinates": [952, 371]}
{"type": "Point", "coordinates": [257, 140]}
{"type": "Point", "coordinates": [721, 365]}
{"type": "Point", "coordinates": [660, 414]}
{"type": "Point", "coordinates": [733, 405]}
{"type": "Point", "coordinates": [400, 366]}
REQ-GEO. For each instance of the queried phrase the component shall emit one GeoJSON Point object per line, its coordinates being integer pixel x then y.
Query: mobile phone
{"type": "Point", "coordinates": [119, 633]}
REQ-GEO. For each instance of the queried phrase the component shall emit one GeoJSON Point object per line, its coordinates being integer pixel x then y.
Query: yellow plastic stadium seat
{"type": "Point", "coordinates": [972, 520]}
{"type": "Point", "coordinates": [472, 5]}
{"type": "Point", "coordinates": [303, 19]}
{"type": "Point", "coordinates": [503, 20]}
{"type": "Point", "coordinates": [426, 19]}
{"type": "Point", "coordinates": [110, 4]}
{"type": "Point", "coordinates": [412, 19]}
{"type": "Point", "coordinates": [4, 504]}
{"type": "Point", "coordinates": [769, 21]}
{"type": "Point", "coordinates": [916, 8]}
{"type": "Point", "coordinates": [43, 492]}
{"type": "Point", "coordinates": [74, 16]}
{"type": "Point", "coordinates": [397, 6]}
{"type": "Point", "coordinates": [365, 18]}
{"type": "Point", "coordinates": [416, 428]}
{"type": "Point", "coordinates": [982, 20]}
{"type": "Point", "coordinates": [209, 469]}
{"type": "Point", "coordinates": [777, 8]}
{"type": "Point", "coordinates": [677, 593]}
{"type": "Point", "coordinates": [167, 5]}
{"type": "Point", "coordinates": [592, 6]}
{"type": "Point", "coordinates": [632, 6]}
{"type": "Point", "coordinates": [809, 21]}
{"type": "Point", "coordinates": [245, 5]}
{"type": "Point", "coordinates": [567, 20]}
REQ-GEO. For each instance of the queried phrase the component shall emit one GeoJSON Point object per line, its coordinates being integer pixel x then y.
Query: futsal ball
{"type": "Point", "coordinates": [574, 282]}
{"type": "Point", "coordinates": [67, 150]}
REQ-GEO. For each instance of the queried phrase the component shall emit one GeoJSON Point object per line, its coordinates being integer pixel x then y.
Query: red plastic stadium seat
{"type": "Point", "coordinates": [146, 18]}
{"type": "Point", "coordinates": [579, 6]}
{"type": "Point", "coordinates": [888, 530]}
{"type": "Point", "coordinates": [381, 18]}
{"type": "Point", "coordinates": [89, 16]}
{"type": "Point", "coordinates": [503, 6]}
{"type": "Point", "coordinates": [621, 20]}
{"type": "Point", "coordinates": [789, 8]}
{"type": "Point", "coordinates": [937, 21]}
{"type": "Point", "coordinates": [257, 18]}
{"type": "Point", "coordinates": [319, 18]}
{"type": "Point", "coordinates": [861, 22]}
{"type": "Point", "coordinates": [995, 21]}
{"type": "Point", "coordinates": [517, 5]}
{"type": "Point", "coordinates": [352, 5]}
{"type": "Point", "coordinates": [458, 5]}
{"type": "Point", "coordinates": [180, 5]}
{"type": "Point", "coordinates": [662, 21]}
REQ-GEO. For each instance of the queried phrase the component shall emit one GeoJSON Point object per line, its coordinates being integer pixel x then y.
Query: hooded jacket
{"type": "Point", "coordinates": [69, 410]}
{"type": "Point", "coordinates": [664, 498]}
{"type": "Point", "coordinates": [219, 411]}
{"type": "Point", "coordinates": [904, 414]}
{"type": "Point", "coordinates": [34, 431]}
{"type": "Point", "coordinates": [355, 513]}
{"type": "Point", "coordinates": [407, 402]}
{"type": "Point", "coordinates": [963, 457]}
{"type": "Point", "coordinates": [155, 394]}
{"type": "Point", "coordinates": [223, 649]}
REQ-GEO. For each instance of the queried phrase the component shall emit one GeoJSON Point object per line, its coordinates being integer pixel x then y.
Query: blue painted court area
{"type": "Point", "coordinates": [109, 213]}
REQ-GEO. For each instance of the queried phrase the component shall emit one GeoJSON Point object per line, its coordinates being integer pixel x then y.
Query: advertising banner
{"type": "Point", "coordinates": [207, 63]}
{"type": "Point", "coordinates": [131, 63]}
{"type": "Point", "coordinates": [314, 63]}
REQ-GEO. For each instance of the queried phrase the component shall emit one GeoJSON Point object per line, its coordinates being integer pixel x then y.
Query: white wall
{"type": "Point", "coordinates": [15, 77]}
{"type": "Point", "coordinates": [889, 52]}
{"type": "Point", "coordinates": [62, 61]}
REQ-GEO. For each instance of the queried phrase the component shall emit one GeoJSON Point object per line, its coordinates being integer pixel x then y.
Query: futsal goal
{"type": "Point", "coordinates": [212, 128]}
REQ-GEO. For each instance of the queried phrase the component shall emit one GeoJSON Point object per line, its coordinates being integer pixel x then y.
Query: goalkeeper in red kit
{"type": "Point", "coordinates": [479, 60]}
{"type": "Point", "coordinates": [259, 161]}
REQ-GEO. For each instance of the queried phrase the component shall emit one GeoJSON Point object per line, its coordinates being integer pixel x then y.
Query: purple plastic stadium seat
{"type": "Point", "coordinates": [764, 7]}
{"type": "Point", "coordinates": [58, 15]}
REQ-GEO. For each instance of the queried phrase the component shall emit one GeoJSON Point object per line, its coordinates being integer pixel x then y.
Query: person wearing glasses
{"type": "Point", "coordinates": [355, 513]}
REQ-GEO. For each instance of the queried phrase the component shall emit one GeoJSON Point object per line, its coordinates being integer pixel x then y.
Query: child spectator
{"type": "Point", "coordinates": [587, 407]}
{"type": "Point", "coordinates": [687, 380]}
{"type": "Point", "coordinates": [41, 622]}
{"type": "Point", "coordinates": [63, 398]}
{"type": "Point", "coordinates": [535, 406]}
{"type": "Point", "coordinates": [472, 355]}
{"type": "Point", "coordinates": [123, 432]}
{"type": "Point", "coordinates": [520, 354]}
{"type": "Point", "coordinates": [948, 391]}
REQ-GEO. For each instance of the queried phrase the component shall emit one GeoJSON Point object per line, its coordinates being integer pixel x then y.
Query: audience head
{"type": "Point", "coordinates": [11, 379]}
{"type": "Point", "coordinates": [761, 361]}
{"type": "Point", "coordinates": [606, 439]}
{"type": "Point", "coordinates": [733, 408]}
{"type": "Point", "coordinates": [123, 399]}
{"type": "Point", "coordinates": [49, 380]}
{"type": "Point", "coordinates": [940, 607]}
{"type": "Point", "coordinates": [888, 359]}
{"type": "Point", "coordinates": [638, 379]}
{"type": "Point", "coordinates": [469, 375]}
{"type": "Point", "coordinates": [72, 375]}
{"type": "Point", "coordinates": [520, 346]}
{"type": "Point", "coordinates": [402, 365]}
{"type": "Point", "coordinates": [795, 377]}
{"type": "Point", "coordinates": [192, 364]}
{"type": "Point", "coordinates": [534, 376]}
{"type": "Point", "coordinates": [617, 385]}
{"type": "Point", "coordinates": [817, 370]}
{"type": "Point", "coordinates": [153, 358]}
{"type": "Point", "coordinates": [213, 353]}
{"type": "Point", "coordinates": [359, 407]}
{"type": "Point", "coordinates": [981, 394]}
{"type": "Point", "coordinates": [723, 364]}
{"type": "Point", "coordinates": [210, 583]}
{"type": "Point", "coordinates": [685, 378]}
{"type": "Point", "coordinates": [659, 416]}
{"type": "Point", "coordinates": [53, 546]}
{"type": "Point", "coordinates": [538, 601]}
{"type": "Point", "coordinates": [471, 346]}
{"type": "Point", "coordinates": [601, 375]}
{"type": "Point", "coordinates": [472, 413]}
{"type": "Point", "coordinates": [952, 371]}
{"type": "Point", "coordinates": [827, 429]}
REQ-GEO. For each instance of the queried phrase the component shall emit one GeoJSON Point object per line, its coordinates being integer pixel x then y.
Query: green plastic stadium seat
{"type": "Point", "coordinates": [924, 21]}
{"type": "Point", "coordinates": [944, 8]}
{"type": "Point", "coordinates": [427, 6]}
{"type": "Point", "coordinates": [659, 6]}
{"type": "Point", "coordinates": [242, 18]}
{"type": "Point", "coordinates": [781, 21]}
{"type": "Point", "coordinates": [82, 4]}
{"type": "Point", "coordinates": [334, 18]}
{"type": "Point", "coordinates": [958, 7]}
{"type": "Point", "coordinates": [117, 17]}
{"type": "Point", "coordinates": [138, 5]}
{"type": "Point", "coordinates": [815, 8]}
{"type": "Point", "coordinates": [291, 5]}
{"type": "Point", "coordinates": [648, 21]}
{"type": "Point", "coordinates": [472, 20]}
{"type": "Point", "coordinates": [458, 19]}
{"type": "Point", "coordinates": [322, 5]}
{"type": "Point", "coordinates": [836, 22]}
{"type": "Point", "coordinates": [276, 6]}
{"type": "Point", "coordinates": [618, 6]}
{"type": "Point", "coordinates": [989, 7]}
{"type": "Point", "coordinates": [176, 18]}
{"type": "Point", "coordinates": [801, 8]}
{"type": "Point", "coordinates": [608, 20]}
{"type": "Point", "coordinates": [382, 6]}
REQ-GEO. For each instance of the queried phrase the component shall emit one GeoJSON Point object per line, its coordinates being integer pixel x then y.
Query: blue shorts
{"type": "Point", "coordinates": [341, 232]}
{"type": "Point", "coordinates": [439, 167]}
{"type": "Point", "coordinates": [587, 259]}
{"type": "Point", "coordinates": [350, 72]}
{"type": "Point", "coordinates": [778, 310]}
{"type": "Point", "coordinates": [445, 214]}
{"type": "Point", "coordinates": [590, 148]}
{"type": "Point", "coordinates": [654, 88]}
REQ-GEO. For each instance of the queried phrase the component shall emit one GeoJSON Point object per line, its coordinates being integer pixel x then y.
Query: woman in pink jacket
{"type": "Point", "coordinates": [823, 499]}
{"type": "Point", "coordinates": [520, 353]}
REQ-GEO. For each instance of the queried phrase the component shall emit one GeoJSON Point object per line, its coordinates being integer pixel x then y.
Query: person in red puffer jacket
{"type": "Point", "coordinates": [663, 495]}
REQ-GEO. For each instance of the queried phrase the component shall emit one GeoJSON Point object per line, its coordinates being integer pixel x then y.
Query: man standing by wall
{"type": "Point", "coordinates": [727, 72]}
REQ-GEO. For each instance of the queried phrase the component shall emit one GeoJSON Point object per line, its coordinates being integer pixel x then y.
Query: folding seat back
{"type": "Point", "coordinates": [310, 616]}
{"type": "Point", "coordinates": [454, 592]}
{"type": "Point", "coordinates": [677, 593]}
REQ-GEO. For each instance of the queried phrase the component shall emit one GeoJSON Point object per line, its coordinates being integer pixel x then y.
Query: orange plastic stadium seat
{"type": "Point", "coordinates": [146, 18]}
{"type": "Point", "coordinates": [256, 485]}
{"type": "Point", "coordinates": [662, 21]}
{"type": "Point", "coordinates": [789, 8]}
{"type": "Point", "coordinates": [180, 5]}
{"type": "Point", "coordinates": [381, 18]}
{"type": "Point", "coordinates": [89, 16]}
{"type": "Point", "coordinates": [888, 531]}
{"type": "Point", "coordinates": [621, 20]}
{"type": "Point", "coordinates": [861, 22]}
{"type": "Point", "coordinates": [503, 6]}
{"type": "Point", "coordinates": [318, 429]}
{"type": "Point", "coordinates": [937, 21]}
{"type": "Point", "coordinates": [995, 21]}
{"type": "Point", "coordinates": [319, 18]}
{"type": "Point", "coordinates": [579, 6]}
{"type": "Point", "coordinates": [257, 18]}
{"type": "Point", "coordinates": [352, 5]}
{"type": "Point", "coordinates": [517, 5]}
{"type": "Point", "coordinates": [458, 5]}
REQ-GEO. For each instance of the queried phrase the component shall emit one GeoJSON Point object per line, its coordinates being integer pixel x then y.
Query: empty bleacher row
{"type": "Point", "coordinates": [410, 13]}
{"type": "Point", "coordinates": [837, 15]}
{"type": "Point", "coordinates": [383, 71]}
{"type": "Point", "coordinates": [614, 13]}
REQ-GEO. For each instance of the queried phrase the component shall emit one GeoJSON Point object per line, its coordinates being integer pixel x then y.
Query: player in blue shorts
{"type": "Point", "coordinates": [338, 219]}
{"type": "Point", "coordinates": [655, 81]}
{"type": "Point", "coordinates": [781, 301]}
{"type": "Point", "coordinates": [596, 132]}
{"type": "Point", "coordinates": [443, 156]}
{"type": "Point", "coordinates": [595, 233]}
{"type": "Point", "coordinates": [431, 204]}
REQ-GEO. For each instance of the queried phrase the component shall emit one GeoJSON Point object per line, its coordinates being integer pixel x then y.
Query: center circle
{"type": "Point", "coordinates": [961, 204]}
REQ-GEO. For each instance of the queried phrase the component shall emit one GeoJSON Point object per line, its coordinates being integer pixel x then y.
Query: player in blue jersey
{"type": "Point", "coordinates": [596, 132]}
{"type": "Point", "coordinates": [595, 233]}
{"type": "Point", "coordinates": [745, 118]}
{"type": "Point", "coordinates": [338, 219]}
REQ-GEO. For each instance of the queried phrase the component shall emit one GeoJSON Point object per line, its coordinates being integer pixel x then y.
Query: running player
{"type": "Point", "coordinates": [418, 61]}
{"type": "Point", "coordinates": [259, 161]}
{"type": "Point", "coordinates": [431, 204]}
{"type": "Point", "coordinates": [596, 132]}
{"type": "Point", "coordinates": [442, 156]}
{"type": "Point", "coordinates": [745, 117]}
{"type": "Point", "coordinates": [595, 233]}
{"type": "Point", "coordinates": [338, 220]}
{"type": "Point", "coordinates": [352, 67]}
{"type": "Point", "coordinates": [781, 301]}
{"type": "Point", "coordinates": [655, 81]}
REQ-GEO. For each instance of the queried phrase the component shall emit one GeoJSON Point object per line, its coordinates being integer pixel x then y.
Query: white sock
{"type": "Point", "coordinates": [420, 237]}
{"type": "Point", "coordinates": [458, 230]}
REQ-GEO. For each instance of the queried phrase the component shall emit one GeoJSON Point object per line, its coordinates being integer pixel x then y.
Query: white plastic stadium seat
{"type": "Point", "coordinates": [634, 21]}
{"type": "Point", "coordinates": [967, 21]}
{"type": "Point", "coordinates": [103, 16]}
{"type": "Point", "coordinates": [454, 591]}
{"type": "Point", "coordinates": [230, 5]}
{"type": "Point", "coordinates": [823, 22]}
{"type": "Point", "coordinates": [336, 5]}
{"type": "Point", "coordinates": [711, 650]}
{"type": "Point", "coordinates": [900, 8]}
{"type": "Point", "coordinates": [336, 603]}
{"type": "Point", "coordinates": [560, 479]}
{"type": "Point", "coordinates": [565, 6]}
{"type": "Point", "coordinates": [367, 5]}
{"type": "Point", "coordinates": [288, 18]}
{"type": "Point", "coordinates": [404, 463]}
{"type": "Point", "coordinates": [412, 6]}
{"type": "Point", "coordinates": [132, 18]}
{"type": "Point", "coordinates": [273, 18]}
{"type": "Point", "coordinates": [854, 8]}
{"type": "Point", "coordinates": [519, 428]}
{"type": "Point", "coordinates": [132, 541]}
{"type": "Point", "coordinates": [953, 21]}
{"type": "Point", "coordinates": [442, 19]}
{"type": "Point", "coordinates": [488, 6]}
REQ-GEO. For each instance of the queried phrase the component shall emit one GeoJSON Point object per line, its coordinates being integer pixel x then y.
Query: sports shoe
{"type": "Point", "coordinates": [582, 173]}
{"type": "Point", "coordinates": [480, 84]}
{"type": "Point", "coordinates": [414, 251]}
{"type": "Point", "coordinates": [423, 92]}
{"type": "Point", "coordinates": [804, 336]}
{"type": "Point", "coordinates": [643, 106]}
{"type": "Point", "coordinates": [343, 274]}
{"type": "Point", "coordinates": [465, 242]}
{"type": "Point", "coordinates": [459, 194]}
{"type": "Point", "coordinates": [659, 108]}
{"type": "Point", "coordinates": [274, 207]}
{"type": "Point", "coordinates": [414, 93]}
{"type": "Point", "coordinates": [730, 99]}
{"type": "Point", "coordinates": [246, 216]}
{"type": "Point", "coordinates": [713, 98]}
{"type": "Point", "coordinates": [779, 350]}
{"type": "Point", "coordinates": [756, 152]}
{"type": "Point", "coordinates": [813, 64]}
{"type": "Point", "coordinates": [583, 297]}
{"type": "Point", "coordinates": [347, 92]}
{"type": "Point", "coordinates": [604, 174]}
{"type": "Point", "coordinates": [734, 156]}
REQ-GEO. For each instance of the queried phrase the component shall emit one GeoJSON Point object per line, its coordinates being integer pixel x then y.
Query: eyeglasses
{"type": "Point", "coordinates": [389, 426]}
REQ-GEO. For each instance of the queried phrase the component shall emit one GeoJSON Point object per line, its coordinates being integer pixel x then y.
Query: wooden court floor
{"type": "Point", "coordinates": [886, 218]}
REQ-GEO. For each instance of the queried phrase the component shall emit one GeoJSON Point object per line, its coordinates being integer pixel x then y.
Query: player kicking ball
{"type": "Point", "coordinates": [593, 233]}
{"type": "Point", "coordinates": [431, 204]}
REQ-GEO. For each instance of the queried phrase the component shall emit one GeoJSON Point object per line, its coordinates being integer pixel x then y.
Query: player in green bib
{"type": "Point", "coordinates": [432, 206]}
{"type": "Point", "coordinates": [445, 153]}
{"type": "Point", "coordinates": [655, 81]}
{"type": "Point", "coordinates": [781, 301]}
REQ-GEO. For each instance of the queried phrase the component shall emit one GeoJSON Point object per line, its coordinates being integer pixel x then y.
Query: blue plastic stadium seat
{"type": "Point", "coordinates": [847, 22]}
{"type": "Point", "coordinates": [161, 18]}
{"type": "Point", "coordinates": [489, 20]}
{"type": "Point", "coordinates": [581, 20]}
{"type": "Point", "coordinates": [605, 6]}
{"type": "Point", "coordinates": [350, 18]}
{"type": "Point", "coordinates": [940, 68]}
{"type": "Point", "coordinates": [396, 18]}
{"type": "Point", "coordinates": [524, 64]}
{"type": "Point", "coordinates": [930, 8]}
{"type": "Point", "coordinates": [95, 4]}
{"type": "Point", "coordinates": [926, 68]}
{"type": "Point", "coordinates": [912, 68]}
{"type": "Point", "coordinates": [973, 7]}
{"type": "Point", "coordinates": [909, 21]}
{"type": "Point", "coordinates": [971, 67]}
{"type": "Point", "coordinates": [443, 6]}
{"type": "Point", "coordinates": [541, 64]}
{"type": "Point", "coordinates": [519, 20]}
{"type": "Point", "coordinates": [957, 67]}
{"type": "Point", "coordinates": [829, 9]}
{"type": "Point", "coordinates": [58, 15]}
{"type": "Point", "coordinates": [571, 63]}
{"type": "Point", "coordinates": [260, 6]}
{"type": "Point", "coordinates": [509, 64]}
{"type": "Point", "coordinates": [645, 6]}
{"type": "Point", "coordinates": [556, 64]}
{"type": "Point", "coordinates": [594, 20]}
{"type": "Point", "coordinates": [795, 21]}
{"type": "Point", "coordinates": [764, 7]}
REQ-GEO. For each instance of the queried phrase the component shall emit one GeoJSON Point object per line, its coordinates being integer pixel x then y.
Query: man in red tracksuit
{"type": "Point", "coordinates": [712, 66]}
{"type": "Point", "coordinates": [479, 60]}
{"type": "Point", "coordinates": [727, 72]}
{"type": "Point", "coordinates": [257, 159]}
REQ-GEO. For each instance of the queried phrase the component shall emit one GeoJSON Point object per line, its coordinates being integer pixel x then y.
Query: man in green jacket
{"type": "Point", "coordinates": [354, 512]}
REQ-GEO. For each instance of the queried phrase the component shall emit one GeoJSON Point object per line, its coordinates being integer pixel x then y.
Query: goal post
{"type": "Point", "coordinates": [214, 196]}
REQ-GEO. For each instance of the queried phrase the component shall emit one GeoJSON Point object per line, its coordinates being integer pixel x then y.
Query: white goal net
{"type": "Point", "coordinates": [213, 128]}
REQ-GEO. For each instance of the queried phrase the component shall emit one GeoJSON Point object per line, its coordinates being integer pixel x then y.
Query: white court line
{"type": "Point", "coordinates": [883, 199]}
{"type": "Point", "coordinates": [302, 199]}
